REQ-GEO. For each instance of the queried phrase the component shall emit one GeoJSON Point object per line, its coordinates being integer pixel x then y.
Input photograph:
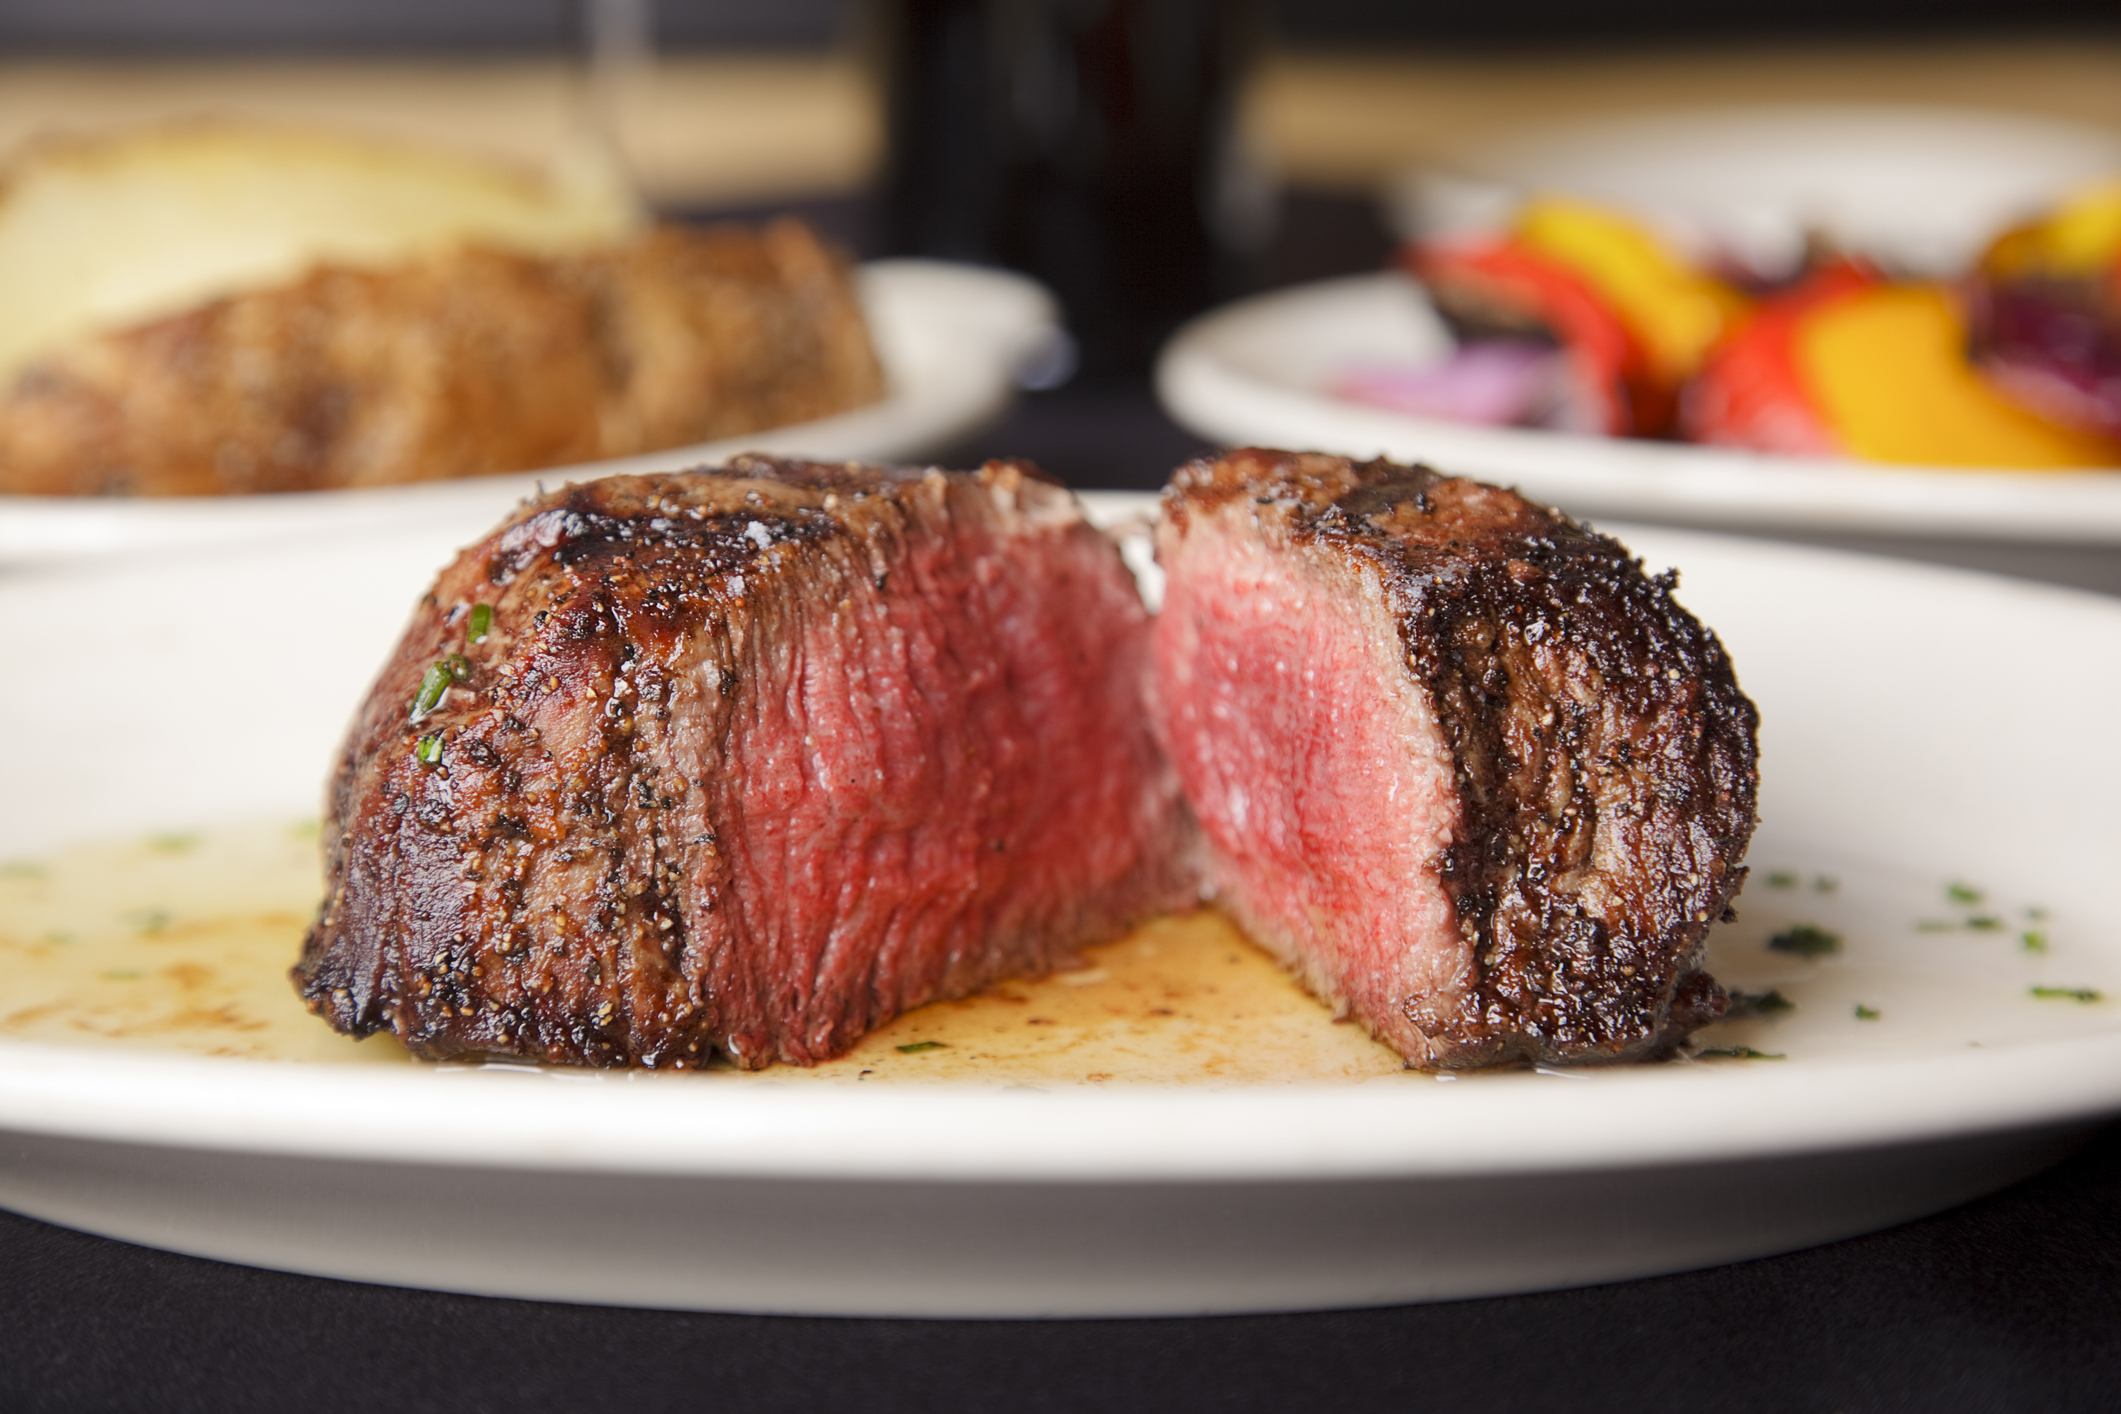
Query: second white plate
{"type": "Point", "coordinates": [952, 339]}
{"type": "Point", "coordinates": [1258, 372]}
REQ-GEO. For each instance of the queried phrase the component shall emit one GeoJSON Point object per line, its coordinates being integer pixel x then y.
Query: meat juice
{"type": "Point", "coordinates": [181, 943]}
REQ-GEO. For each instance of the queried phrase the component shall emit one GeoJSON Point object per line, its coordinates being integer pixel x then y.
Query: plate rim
{"type": "Point", "coordinates": [1404, 1125]}
{"type": "Point", "coordinates": [1003, 318]}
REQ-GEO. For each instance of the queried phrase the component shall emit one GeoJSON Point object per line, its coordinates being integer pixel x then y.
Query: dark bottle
{"type": "Point", "coordinates": [1089, 143]}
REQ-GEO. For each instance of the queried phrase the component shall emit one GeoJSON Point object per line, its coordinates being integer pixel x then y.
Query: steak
{"type": "Point", "coordinates": [745, 760]}
{"type": "Point", "coordinates": [461, 362]}
{"type": "Point", "coordinates": [1466, 769]}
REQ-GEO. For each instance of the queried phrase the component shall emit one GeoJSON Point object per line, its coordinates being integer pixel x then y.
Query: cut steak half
{"type": "Point", "coordinates": [1465, 768]}
{"type": "Point", "coordinates": [746, 760]}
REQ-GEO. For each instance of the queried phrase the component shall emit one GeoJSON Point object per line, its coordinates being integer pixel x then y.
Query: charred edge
{"type": "Point", "coordinates": [574, 536]}
{"type": "Point", "coordinates": [1587, 991]}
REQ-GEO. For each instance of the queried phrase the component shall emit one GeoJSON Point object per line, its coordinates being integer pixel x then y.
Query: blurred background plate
{"type": "Point", "coordinates": [953, 339]}
{"type": "Point", "coordinates": [1918, 187]}
{"type": "Point", "coordinates": [1258, 372]}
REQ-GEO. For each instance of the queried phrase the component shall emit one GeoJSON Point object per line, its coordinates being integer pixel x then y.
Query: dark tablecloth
{"type": "Point", "coordinates": [2010, 1303]}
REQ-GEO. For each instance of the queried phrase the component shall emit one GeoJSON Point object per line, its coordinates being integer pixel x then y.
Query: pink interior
{"type": "Point", "coordinates": [935, 780]}
{"type": "Point", "coordinates": [1321, 780]}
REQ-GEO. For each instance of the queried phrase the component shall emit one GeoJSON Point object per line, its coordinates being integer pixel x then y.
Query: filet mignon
{"type": "Point", "coordinates": [1458, 761]}
{"type": "Point", "coordinates": [747, 760]}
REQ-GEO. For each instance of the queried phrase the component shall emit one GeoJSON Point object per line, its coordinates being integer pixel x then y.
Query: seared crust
{"type": "Point", "coordinates": [557, 874]}
{"type": "Point", "coordinates": [1604, 753]}
{"type": "Point", "coordinates": [467, 362]}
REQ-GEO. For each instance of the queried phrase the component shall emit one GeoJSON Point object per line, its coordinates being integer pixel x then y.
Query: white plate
{"type": "Point", "coordinates": [1920, 726]}
{"type": "Point", "coordinates": [1922, 187]}
{"type": "Point", "coordinates": [952, 338]}
{"type": "Point", "coordinates": [1257, 372]}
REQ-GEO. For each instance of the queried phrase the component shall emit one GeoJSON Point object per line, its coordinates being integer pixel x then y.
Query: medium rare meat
{"type": "Point", "coordinates": [745, 760]}
{"type": "Point", "coordinates": [1458, 762]}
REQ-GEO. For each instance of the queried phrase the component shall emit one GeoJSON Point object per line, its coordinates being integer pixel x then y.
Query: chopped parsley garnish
{"type": "Point", "coordinates": [919, 1046]}
{"type": "Point", "coordinates": [435, 682]}
{"type": "Point", "coordinates": [2067, 994]}
{"type": "Point", "coordinates": [1974, 923]}
{"type": "Point", "coordinates": [20, 869]}
{"type": "Point", "coordinates": [481, 623]}
{"type": "Point", "coordinates": [432, 686]}
{"type": "Point", "coordinates": [1760, 1003]}
{"type": "Point", "coordinates": [148, 920]}
{"type": "Point", "coordinates": [1825, 884]}
{"type": "Point", "coordinates": [1963, 893]}
{"type": "Point", "coordinates": [1806, 941]}
{"type": "Point", "coordinates": [427, 750]}
{"type": "Point", "coordinates": [1867, 1013]}
{"type": "Point", "coordinates": [1737, 1053]}
{"type": "Point", "coordinates": [172, 843]}
{"type": "Point", "coordinates": [2032, 939]}
{"type": "Point", "coordinates": [1781, 879]}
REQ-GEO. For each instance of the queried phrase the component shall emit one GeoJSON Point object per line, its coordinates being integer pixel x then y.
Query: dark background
{"type": "Point", "coordinates": [151, 26]}
{"type": "Point", "coordinates": [2011, 1303]}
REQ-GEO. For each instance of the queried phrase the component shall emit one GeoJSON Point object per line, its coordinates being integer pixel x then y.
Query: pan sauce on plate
{"type": "Point", "coordinates": [181, 942]}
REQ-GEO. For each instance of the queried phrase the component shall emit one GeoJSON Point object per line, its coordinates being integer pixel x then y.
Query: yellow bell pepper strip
{"type": "Point", "coordinates": [1848, 364]}
{"type": "Point", "coordinates": [1889, 371]}
{"type": "Point", "coordinates": [1634, 321]}
{"type": "Point", "coordinates": [2078, 240]}
{"type": "Point", "coordinates": [1676, 312]}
